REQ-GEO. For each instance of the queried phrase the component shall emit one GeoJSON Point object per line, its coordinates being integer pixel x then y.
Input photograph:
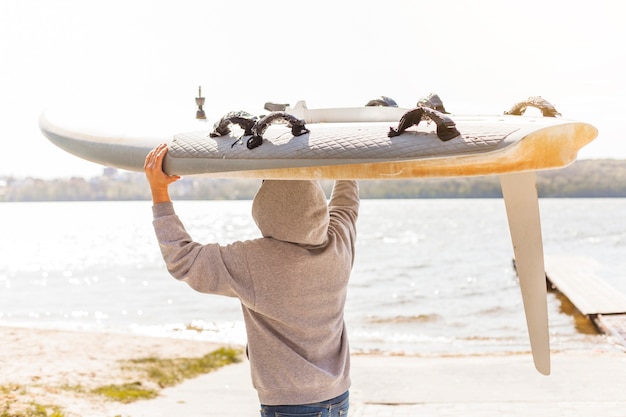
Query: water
{"type": "Point", "coordinates": [431, 277]}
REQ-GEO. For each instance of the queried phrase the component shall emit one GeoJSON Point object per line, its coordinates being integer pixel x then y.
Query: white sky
{"type": "Point", "coordinates": [479, 56]}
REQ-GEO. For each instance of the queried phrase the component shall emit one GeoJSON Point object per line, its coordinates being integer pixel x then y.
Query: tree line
{"type": "Point", "coordinates": [584, 178]}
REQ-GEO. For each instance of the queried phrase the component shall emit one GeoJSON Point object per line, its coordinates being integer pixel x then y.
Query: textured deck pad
{"type": "Point", "coordinates": [332, 145]}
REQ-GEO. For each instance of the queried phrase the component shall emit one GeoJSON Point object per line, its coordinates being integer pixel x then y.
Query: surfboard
{"type": "Point", "coordinates": [371, 142]}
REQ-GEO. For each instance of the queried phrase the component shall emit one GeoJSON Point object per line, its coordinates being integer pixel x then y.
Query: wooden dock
{"type": "Point", "coordinates": [576, 279]}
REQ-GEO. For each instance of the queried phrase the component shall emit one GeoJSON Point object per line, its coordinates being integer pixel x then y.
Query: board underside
{"type": "Point", "coordinates": [487, 145]}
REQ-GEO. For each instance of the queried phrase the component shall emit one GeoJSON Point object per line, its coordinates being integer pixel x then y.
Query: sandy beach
{"type": "Point", "coordinates": [45, 367]}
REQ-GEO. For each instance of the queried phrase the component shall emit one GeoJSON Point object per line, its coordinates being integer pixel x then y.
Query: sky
{"type": "Point", "coordinates": [480, 56]}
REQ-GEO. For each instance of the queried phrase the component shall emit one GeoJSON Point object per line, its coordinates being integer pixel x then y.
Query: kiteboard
{"type": "Point", "coordinates": [370, 142]}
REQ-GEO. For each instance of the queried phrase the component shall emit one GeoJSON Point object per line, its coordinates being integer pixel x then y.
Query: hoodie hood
{"type": "Point", "coordinates": [292, 211]}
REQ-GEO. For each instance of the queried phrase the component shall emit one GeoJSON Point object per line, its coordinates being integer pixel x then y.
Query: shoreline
{"type": "Point", "coordinates": [45, 366]}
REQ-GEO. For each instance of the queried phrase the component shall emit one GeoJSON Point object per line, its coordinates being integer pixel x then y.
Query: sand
{"type": "Point", "coordinates": [42, 366]}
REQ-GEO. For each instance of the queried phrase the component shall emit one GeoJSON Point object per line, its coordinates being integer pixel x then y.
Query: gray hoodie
{"type": "Point", "coordinates": [292, 284]}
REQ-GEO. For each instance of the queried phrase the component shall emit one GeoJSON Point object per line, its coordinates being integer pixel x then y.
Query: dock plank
{"type": "Point", "coordinates": [614, 325]}
{"type": "Point", "coordinates": [575, 278]}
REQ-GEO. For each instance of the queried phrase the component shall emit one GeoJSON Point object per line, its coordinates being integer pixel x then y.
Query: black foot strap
{"type": "Point", "coordinates": [382, 101]}
{"type": "Point", "coordinates": [245, 120]}
{"type": "Point", "coordinates": [446, 128]}
{"type": "Point", "coordinates": [547, 108]}
{"type": "Point", "coordinates": [433, 101]}
{"type": "Point", "coordinates": [259, 128]}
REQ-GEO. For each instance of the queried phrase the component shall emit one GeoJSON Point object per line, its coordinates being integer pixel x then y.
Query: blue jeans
{"type": "Point", "coordinates": [337, 407]}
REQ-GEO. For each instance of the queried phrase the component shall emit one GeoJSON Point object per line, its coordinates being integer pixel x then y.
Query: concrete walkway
{"type": "Point", "coordinates": [581, 384]}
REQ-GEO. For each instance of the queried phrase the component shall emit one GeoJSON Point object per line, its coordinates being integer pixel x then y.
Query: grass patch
{"type": "Point", "coordinates": [169, 372]}
{"type": "Point", "coordinates": [126, 393]}
{"type": "Point", "coordinates": [75, 388]}
{"type": "Point", "coordinates": [13, 405]}
{"type": "Point", "coordinates": [38, 410]}
{"type": "Point", "coordinates": [32, 410]}
{"type": "Point", "coordinates": [10, 389]}
{"type": "Point", "coordinates": [166, 373]}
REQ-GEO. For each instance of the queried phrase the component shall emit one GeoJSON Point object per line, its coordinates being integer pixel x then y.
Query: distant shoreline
{"type": "Point", "coordinates": [596, 178]}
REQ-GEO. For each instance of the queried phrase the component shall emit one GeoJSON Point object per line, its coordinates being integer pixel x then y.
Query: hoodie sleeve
{"type": "Point", "coordinates": [343, 210]}
{"type": "Point", "coordinates": [344, 200]}
{"type": "Point", "coordinates": [205, 268]}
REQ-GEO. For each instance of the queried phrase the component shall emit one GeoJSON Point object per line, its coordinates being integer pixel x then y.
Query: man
{"type": "Point", "coordinates": [292, 285]}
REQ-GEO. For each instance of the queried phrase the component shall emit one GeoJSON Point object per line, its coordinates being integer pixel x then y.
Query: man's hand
{"type": "Point", "coordinates": [159, 181]}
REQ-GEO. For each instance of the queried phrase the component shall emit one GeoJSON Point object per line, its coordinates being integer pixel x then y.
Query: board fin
{"type": "Point", "coordinates": [522, 207]}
